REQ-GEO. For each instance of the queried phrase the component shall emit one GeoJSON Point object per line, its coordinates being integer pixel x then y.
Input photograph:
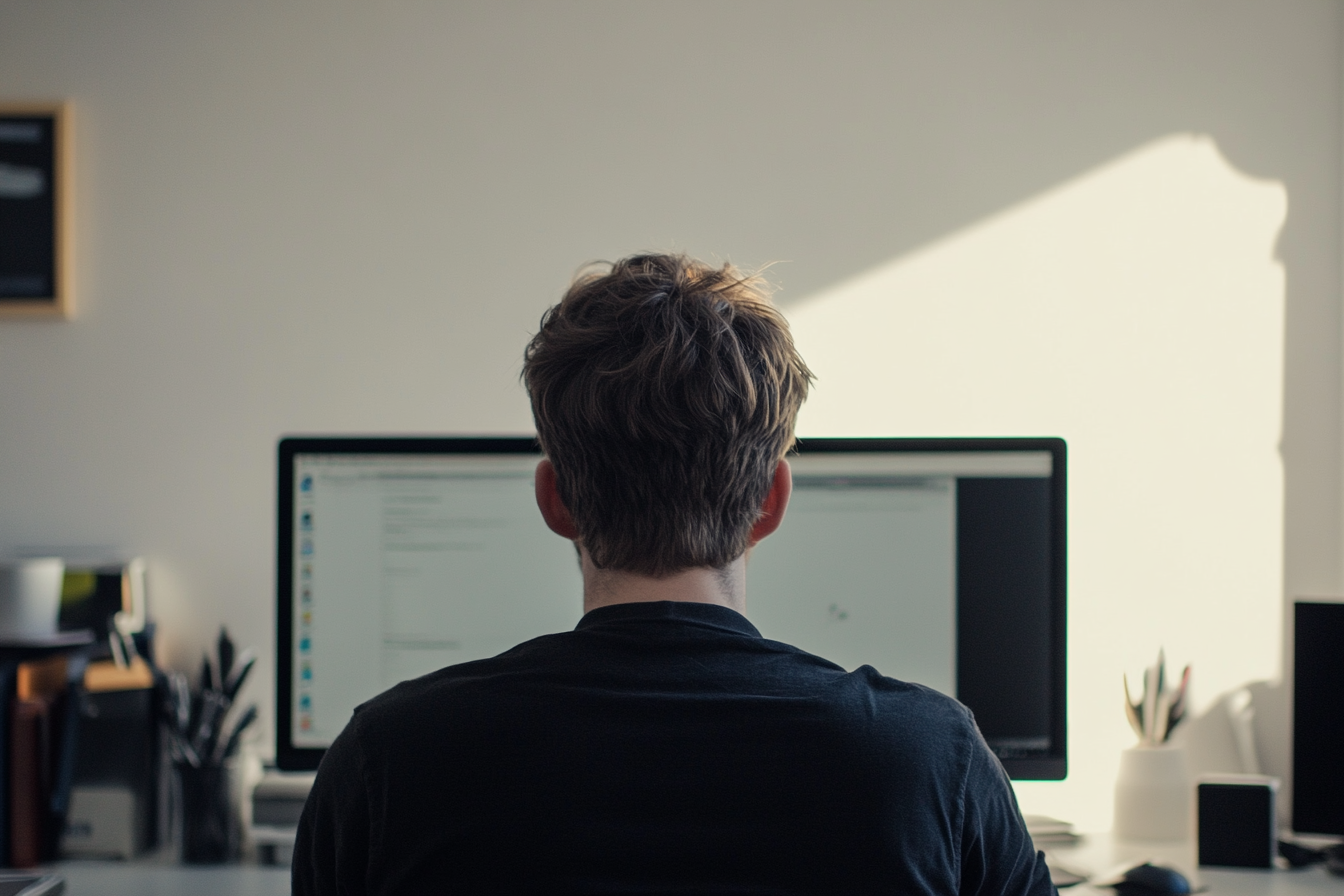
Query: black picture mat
{"type": "Point", "coordinates": [1040, 680]}
{"type": "Point", "coordinates": [28, 197]}
{"type": "Point", "coordinates": [1318, 718]}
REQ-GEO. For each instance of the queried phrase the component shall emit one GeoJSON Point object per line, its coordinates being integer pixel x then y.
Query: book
{"type": "Point", "coordinates": [8, 669]}
{"type": "Point", "coordinates": [36, 717]}
{"type": "Point", "coordinates": [28, 721]}
{"type": "Point", "coordinates": [1050, 831]}
{"type": "Point", "coordinates": [105, 675]}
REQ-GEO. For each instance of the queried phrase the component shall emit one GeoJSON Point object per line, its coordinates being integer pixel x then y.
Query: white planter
{"type": "Point", "coordinates": [1152, 794]}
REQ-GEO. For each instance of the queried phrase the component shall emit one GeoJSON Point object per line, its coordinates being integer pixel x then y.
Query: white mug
{"type": "Point", "coordinates": [30, 597]}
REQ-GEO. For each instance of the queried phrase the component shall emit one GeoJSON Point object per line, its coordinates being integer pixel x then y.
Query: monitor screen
{"type": "Point", "coordinates": [939, 561]}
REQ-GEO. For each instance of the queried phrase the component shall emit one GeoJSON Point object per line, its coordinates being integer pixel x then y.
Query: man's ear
{"type": "Point", "coordinates": [776, 502]}
{"type": "Point", "coordinates": [553, 509]}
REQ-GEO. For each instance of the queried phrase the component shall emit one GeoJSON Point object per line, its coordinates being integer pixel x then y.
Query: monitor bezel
{"type": "Point", "coordinates": [289, 757]}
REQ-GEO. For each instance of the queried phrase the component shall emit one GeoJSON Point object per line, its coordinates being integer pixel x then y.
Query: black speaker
{"type": "Point", "coordinates": [1236, 822]}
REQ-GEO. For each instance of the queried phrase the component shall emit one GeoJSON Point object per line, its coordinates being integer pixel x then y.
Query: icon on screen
{"type": "Point", "coordinates": [305, 644]}
{"type": "Point", "coordinates": [307, 570]}
{"type": "Point", "coordinates": [306, 673]}
{"type": "Point", "coordinates": [307, 617]}
{"type": "Point", "coordinates": [305, 702]}
{"type": "Point", "coordinates": [305, 723]}
{"type": "Point", "coordinates": [306, 484]}
{"type": "Point", "coordinates": [306, 520]}
{"type": "Point", "coordinates": [307, 546]}
{"type": "Point", "coordinates": [307, 595]}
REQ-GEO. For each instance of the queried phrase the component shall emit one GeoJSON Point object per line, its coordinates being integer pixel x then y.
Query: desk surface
{"type": "Point", "coordinates": [150, 877]}
{"type": "Point", "coordinates": [1097, 853]}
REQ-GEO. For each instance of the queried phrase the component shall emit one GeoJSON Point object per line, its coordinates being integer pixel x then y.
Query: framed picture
{"type": "Point", "coordinates": [35, 206]}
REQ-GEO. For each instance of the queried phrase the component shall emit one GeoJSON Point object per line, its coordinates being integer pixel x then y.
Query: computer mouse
{"type": "Point", "coordinates": [1334, 860]}
{"type": "Point", "coordinates": [1152, 880]}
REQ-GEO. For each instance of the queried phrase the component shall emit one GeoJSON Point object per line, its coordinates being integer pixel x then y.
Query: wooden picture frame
{"type": "Point", "coordinates": [35, 210]}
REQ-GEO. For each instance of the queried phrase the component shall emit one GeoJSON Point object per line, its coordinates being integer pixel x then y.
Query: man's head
{"type": "Point", "coordinates": [665, 393]}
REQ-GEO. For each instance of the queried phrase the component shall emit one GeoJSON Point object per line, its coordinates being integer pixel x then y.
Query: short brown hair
{"type": "Point", "coordinates": [665, 393]}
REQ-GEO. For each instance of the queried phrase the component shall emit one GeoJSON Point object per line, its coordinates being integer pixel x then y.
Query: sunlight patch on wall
{"type": "Point", "coordinates": [1138, 312]}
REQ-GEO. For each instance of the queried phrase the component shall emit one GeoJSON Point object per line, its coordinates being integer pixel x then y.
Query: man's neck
{"type": "Point", "coordinates": [726, 587]}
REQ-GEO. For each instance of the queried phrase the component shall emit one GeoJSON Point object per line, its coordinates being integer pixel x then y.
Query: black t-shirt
{"type": "Point", "coordinates": [662, 748]}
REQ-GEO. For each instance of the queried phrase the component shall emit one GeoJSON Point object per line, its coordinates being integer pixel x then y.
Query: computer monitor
{"type": "Point", "coordinates": [940, 561]}
{"type": "Point", "coordinates": [1318, 718]}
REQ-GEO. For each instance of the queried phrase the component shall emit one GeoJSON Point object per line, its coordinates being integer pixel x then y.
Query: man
{"type": "Point", "coordinates": [663, 745]}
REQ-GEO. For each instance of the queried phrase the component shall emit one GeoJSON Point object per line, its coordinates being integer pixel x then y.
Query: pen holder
{"type": "Point", "coordinates": [206, 832]}
{"type": "Point", "coordinates": [1152, 794]}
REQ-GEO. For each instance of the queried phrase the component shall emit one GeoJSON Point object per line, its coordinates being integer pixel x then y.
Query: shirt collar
{"type": "Point", "coordinates": [670, 611]}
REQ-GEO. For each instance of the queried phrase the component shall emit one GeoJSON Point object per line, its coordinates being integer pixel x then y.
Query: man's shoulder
{"type": "Point", "coordinates": [913, 694]}
{"type": "Point", "coordinates": [923, 719]}
{"type": "Point", "coordinates": [407, 698]}
{"type": "Point", "coordinates": [753, 674]}
{"type": "Point", "coordinates": [869, 690]}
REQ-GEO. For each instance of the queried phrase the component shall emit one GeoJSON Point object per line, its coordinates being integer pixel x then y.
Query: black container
{"type": "Point", "coordinates": [207, 833]}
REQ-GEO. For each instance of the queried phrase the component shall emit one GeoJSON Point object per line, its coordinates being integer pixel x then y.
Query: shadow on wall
{"type": "Point", "coordinates": [1242, 733]}
{"type": "Point", "coordinates": [1137, 311]}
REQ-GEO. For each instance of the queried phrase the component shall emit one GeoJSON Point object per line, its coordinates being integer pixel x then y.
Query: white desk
{"type": "Point", "coordinates": [1099, 853]}
{"type": "Point", "coordinates": [151, 877]}
{"type": "Point", "coordinates": [157, 877]}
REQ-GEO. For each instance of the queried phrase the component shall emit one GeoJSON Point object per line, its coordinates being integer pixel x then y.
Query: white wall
{"type": "Point", "coordinates": [1137, 310]}
{"type": "Point", "coordinates": [320, 217]}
